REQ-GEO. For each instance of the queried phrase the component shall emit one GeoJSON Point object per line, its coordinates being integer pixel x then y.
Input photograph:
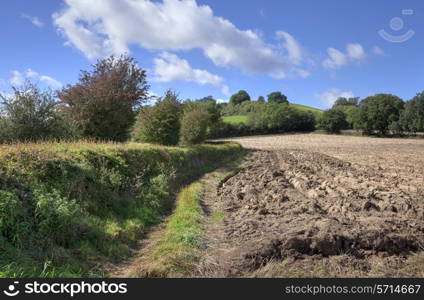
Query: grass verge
{"type": "Point", "coordinates": [67, 208]}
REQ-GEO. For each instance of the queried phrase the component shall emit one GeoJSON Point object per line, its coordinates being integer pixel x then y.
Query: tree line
{"type": "Point", "coordinates": [111, 102]}
{"type": "Point", "coordinates": [381, 114]}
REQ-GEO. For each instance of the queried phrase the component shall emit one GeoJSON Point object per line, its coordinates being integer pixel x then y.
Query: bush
{"type": "Point", "coordinates": [377, 112]}
{"type": "Point", "coordinates": [333, 120]}
{"type": "Point", "coordinates": [31, 114]}
{"type": "Point", "coordinates": [193, 127]}
{"type": "Point", "coordinates": [274, 118]}
{"type": "Point", "coordinates": [159, 124]}
{"type": "Point", "coordinates": [103, 103]}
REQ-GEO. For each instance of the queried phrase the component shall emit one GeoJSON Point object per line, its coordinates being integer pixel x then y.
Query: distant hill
{"type": "Point", "coordinates": [317, 112]}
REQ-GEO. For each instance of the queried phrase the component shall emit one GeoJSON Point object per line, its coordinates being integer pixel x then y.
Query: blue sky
{"type": "Point", "coordinates": [313, 51]}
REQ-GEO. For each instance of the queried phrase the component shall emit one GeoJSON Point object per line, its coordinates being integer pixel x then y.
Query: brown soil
{"type": "Point", "coordinates": [299, 204]}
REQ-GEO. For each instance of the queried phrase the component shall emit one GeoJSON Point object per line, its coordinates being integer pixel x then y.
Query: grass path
{"type": "Point", "coordinates": [174, 248]}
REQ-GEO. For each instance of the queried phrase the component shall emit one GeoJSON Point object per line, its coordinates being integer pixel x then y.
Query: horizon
{"type": "Point", "coordinates": [312, 51]}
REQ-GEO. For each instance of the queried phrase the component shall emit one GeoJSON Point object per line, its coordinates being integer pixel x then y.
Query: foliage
{"type": "Point", "coordinates": [193, 127]}
{"type": "Point", "coordinates": [31, 114]}
{"type": "Point", "coordinates": [239, 97]}
{"type": "Point", "coordinates": [68, 207]}
{"type": "Point", "coordinates": [241, 109]}
{"type": "Point", "coordinates": [159, 124]}
{"type": "Point", "coordinates": [261, 99]}
{"type": "Point", "coordinates": [333, 120]}
{"type": "Point", "coordinates": [412, 118]}
{"type": "Point", "coordinates": [343, 101]}
{"type": "Point", "coordinates": [103, 102]}
{"type": "Point", "coordinates": [377, 112]}
{"type": "Point", "coordinates": [350, 111]}
{"type": "Point", "coordinates": [277, 97]}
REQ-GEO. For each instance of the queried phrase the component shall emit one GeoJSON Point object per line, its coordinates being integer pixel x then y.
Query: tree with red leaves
{"type": "Point", "coordinates": [102, 105]}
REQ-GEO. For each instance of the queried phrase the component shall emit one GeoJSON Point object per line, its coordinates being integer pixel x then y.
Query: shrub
{"type": "Point", "coordinates": [273, 118]}
{"type": "Point", "coordinates": [159, 124]}
{"type": "Point", "coordinates": [333, 120]}
{"type": "Point", "coordinates": [193, 127]}
{"type": "Point", "coordinates": [31, 114]}
{"type": "Point", "coordinates": [377, 112]}
{"type": "Point", "coordinates": [103, 103]}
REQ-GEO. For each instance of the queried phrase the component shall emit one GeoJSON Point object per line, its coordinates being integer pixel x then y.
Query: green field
{"type": "Point", "coordinates": [243, 118]}
{"type": "Point", "coordinates": [235, 119]}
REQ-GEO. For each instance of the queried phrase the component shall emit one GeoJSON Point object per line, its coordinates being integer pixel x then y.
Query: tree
{"type": "Point", "coordinates": [31, 114]}
{"type": "Point", "coordinates": [159, 124]}
{"type": "Point", "coordinates": [261, 99]}
{"type": "Point", "coordinates": [333, 120]}
{"type": "Point", "coordinates": [239, 97]}
{"type": "Point", "coordinates": [412, 118]}
{"type": "Point", "coordinates": [104, 101]}
{"type": "Point", "coordinates": [277, 97]}
{"type": "Point", "coordinates": [350, 112]}
{"type": "Point", "coordinates": [343, 101]}
{"type": "Point", "coordinates": [377, 112]}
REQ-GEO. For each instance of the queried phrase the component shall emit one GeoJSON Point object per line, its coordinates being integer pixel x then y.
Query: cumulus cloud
{"type": "Point", "coordinates": [169, 67]}
{"type": "Point", "coordinates": [18, 78]}
{"type": "Point", "coordinates": [329, 96]}
{"type": "Point", "coordinates": [34, 20]}
{"type": "Point", "coordinates": [102, 27]}
{"type": "Point", "coordinates": [337, 58]}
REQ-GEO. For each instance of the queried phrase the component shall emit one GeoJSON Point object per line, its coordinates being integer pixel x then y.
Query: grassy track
{"type": "Point", "coordinates": [67, 208]}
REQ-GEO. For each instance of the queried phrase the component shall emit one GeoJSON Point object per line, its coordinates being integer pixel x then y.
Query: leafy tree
{"type": "Point", "coordinates": [377, 112]}
{"type": "Point", "coordinates": [350, 111]}
{"type": "Point", "coordinates": [261, 99]}
{"type": "Point", "coordinates": [277, 97]}
{"type": "Point", "coordinates": [239, 97]}
{"type": "Point", "coordinates": [159, 124]}
{"type": "Point", "coordinates": [104, 101]}
{"type": "Point", "coordinates": [193, 127]}
{"type": "Point", "coordinates": [31, 114]}
{"type": "Point", "coordinates": [412, 118]}
{"type": "Point", "coordinates": [333, 120]}
{"type": "Point", "coordinates": [343, 101]}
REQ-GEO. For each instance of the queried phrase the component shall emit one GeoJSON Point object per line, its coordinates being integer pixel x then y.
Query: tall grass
{"type": "Point", "coordinates": [66, 208]}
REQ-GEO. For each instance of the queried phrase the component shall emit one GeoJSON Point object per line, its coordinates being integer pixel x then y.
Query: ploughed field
{"type": "Point", "coordinates": [322, 205]}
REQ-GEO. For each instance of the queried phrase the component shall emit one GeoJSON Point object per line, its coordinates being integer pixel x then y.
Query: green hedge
{"type": "Point", "coordinates": [66, 207]}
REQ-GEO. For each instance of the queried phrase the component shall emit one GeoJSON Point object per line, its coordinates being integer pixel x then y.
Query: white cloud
{"type": "Point", "coordinates": [169, 67]}
{"type": "Point", "coordinates": [378, 51]}
{"type": "Point", "coordinates": [50, 81]}
{"type": "Point", "coordinates": [18, 78]}
{"type": "Point", "coordinates": [337, 59]}
{"type": "Point", "coordinates": [102, 27]}
{"type": "Point", "coordinates": [355, 51]}
{"type": "Point", "coordinates": [329, 96]}
{"type": "Point", "coordinates": [34, 20]}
